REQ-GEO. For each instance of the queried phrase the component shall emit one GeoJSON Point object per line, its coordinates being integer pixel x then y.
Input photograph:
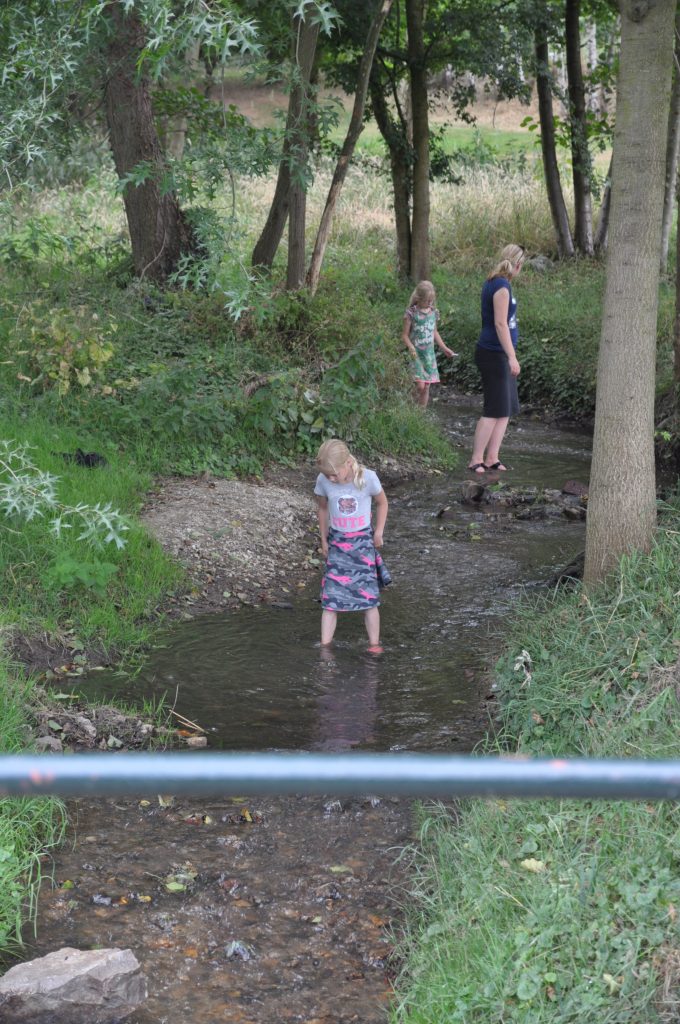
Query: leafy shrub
{"type": "Point", "coordinates": [68, 346]}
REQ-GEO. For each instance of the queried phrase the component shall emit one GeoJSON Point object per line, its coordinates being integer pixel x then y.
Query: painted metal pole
{"type": "Point", "coordinates": [415, 775]}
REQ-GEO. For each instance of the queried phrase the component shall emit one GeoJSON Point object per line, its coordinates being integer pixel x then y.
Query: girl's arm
{"type": "Point", "coordinates": [406, 336]}
{"type": "Point", "coordinates": [380, 518]}
{"type": "Point", "coordinates": [445, 348]}
{"type": "Point", "coordinates": [322, 516]}
{"type": "Point", "coordinates": [501, 304]}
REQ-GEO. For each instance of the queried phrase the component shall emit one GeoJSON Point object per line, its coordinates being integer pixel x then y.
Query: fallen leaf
{"type": "Point", "coordinates": [530, 864]}
{"type": "Point", "coordinates": [166, 801]}
{"type": "Point", "coordinates": [341, 869]}
{"type": "Point", "coordinates": [612, 983]}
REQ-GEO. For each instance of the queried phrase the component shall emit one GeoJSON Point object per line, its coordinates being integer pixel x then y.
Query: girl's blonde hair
{"type": "Point", "coordinates": [333, 455]}
{"type": "Point", "coordinates": [423, 291]}
{"type": "Point", "coordinates": [511, 257]}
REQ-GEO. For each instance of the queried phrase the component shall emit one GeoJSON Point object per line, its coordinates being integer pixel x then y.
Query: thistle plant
{"type": "Point", "coordinates": [27, 493]}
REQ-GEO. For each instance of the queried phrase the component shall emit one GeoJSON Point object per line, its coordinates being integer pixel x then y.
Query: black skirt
{"type": "Point", "coordinates": [498, 384]}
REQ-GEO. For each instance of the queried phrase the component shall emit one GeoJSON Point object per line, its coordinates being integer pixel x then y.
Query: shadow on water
{"type": "Point", "coordinates": [287, 916]}
{"type": "Point", "coordinates": [256, 679]}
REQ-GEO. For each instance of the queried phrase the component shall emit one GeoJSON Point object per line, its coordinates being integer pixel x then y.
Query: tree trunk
{"type": "Point", "coordinates": [676, 325]}
{"type": "Point", "coordinates": [420, 224]}
{"type": "Point", "coordinates": [401, 178]}
{"type": "Point", "coordinates": [590, 32]}
{"type": "Point", "coordinates": [159, 232]}
{"type": "Point", "coordinates": [353, 132]}
{"type": "Point", "coordinates": [602, 233]}
{"type": "Point", "coordinates": [622, 503]}
{"type": "Point", "coordinates": [672, 144]}
{"type": "Point", "coordinates": [272, 232]}
{"type": "Point", "coordinates": [580, 154]}
{"type": "Point", "coordinates": [558, 209]}
{"type": "Point", "coordinates": [307, 35]}
{"type": "Point", "coordinates": [173, 131]}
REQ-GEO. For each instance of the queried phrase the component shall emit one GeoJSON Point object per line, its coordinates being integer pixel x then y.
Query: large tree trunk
{"type": "Point", "coordinates": [353, 131]}
{"type": "Point", "coordinates": [159, 232]}
{"type": "Point", "coordinates": [307, 34]}
{"type": "Point", "coordinates": [396, 143]}
{"type": "Point", "coordinates": [622, 503]}
{"type": "Point", "coordinates": [580, 154]}
{"type": "Point", "coordinates": [420, 223]}
{"type": "Point", "coordinates": [558, 209]}
{"type": "Point", "coordinates": [676, 325]}
{"type": "Point", "coordinates": [672, 144]}
{"type": "Point", "coordinates": [270, 238]}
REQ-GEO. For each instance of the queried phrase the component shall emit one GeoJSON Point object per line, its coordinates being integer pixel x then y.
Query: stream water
{"type": "Point", "coordinates": [287, 906]}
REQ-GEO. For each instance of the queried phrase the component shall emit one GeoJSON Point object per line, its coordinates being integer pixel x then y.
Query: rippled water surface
{"type": "Point", "coordinates": [306, 888]}
{"type": "Point", "coordinates": [257, 680]}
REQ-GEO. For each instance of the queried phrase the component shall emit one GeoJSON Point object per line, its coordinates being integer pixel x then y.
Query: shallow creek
{"type": "Point", "coordinates": [288, 902]}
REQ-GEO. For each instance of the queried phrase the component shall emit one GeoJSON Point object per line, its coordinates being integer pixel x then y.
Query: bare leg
{"type": "Point", "coordinates": [422, 393]}
{"type": "Point", "coordinates": [483, 431]}
{"type": "Point", "coordinates": [494, 443]}
{"type": "Point", "coordinates": [372, 622]}
{"type": "Point", "coordinates": [329, 621]}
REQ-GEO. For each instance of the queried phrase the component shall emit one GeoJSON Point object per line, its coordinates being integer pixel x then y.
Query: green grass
{"type": "Point", "coordinates": [28, 827]}
{"type": "Point", "coordinates": [562, 911]}
{"type": "Point", "coordinates": [32, 598]}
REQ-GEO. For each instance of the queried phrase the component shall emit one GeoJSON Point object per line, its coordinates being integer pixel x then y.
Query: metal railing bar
{"type": "Point", "coordinates": [389, 774]}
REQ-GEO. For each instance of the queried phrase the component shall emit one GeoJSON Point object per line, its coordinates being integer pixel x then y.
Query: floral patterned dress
{"type": "Point", "coordinates": [423, 324]}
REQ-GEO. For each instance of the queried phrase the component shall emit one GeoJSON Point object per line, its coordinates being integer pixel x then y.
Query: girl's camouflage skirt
{"type": "Point", "coordinates": [355, 573]}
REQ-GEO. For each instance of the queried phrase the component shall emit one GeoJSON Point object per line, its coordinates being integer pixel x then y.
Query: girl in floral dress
{"type": "Point", "coordinates": [419, 335]}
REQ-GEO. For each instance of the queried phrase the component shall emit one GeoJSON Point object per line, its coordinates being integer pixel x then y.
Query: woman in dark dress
{"type": "Point", "coordinates": [495, 357]}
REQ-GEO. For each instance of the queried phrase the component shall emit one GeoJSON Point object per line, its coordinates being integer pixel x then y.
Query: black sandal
{"type": "Point", "coordinates": [496, 465]}
{"type": "Point", "coordinates": [478, 466]}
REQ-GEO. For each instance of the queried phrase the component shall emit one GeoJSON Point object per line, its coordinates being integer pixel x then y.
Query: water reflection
{"type": "Point", "coordinates": [347, 702]}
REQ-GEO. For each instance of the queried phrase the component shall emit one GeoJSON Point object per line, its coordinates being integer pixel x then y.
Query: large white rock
{"type": "Point", "coordinates": [73, 986]}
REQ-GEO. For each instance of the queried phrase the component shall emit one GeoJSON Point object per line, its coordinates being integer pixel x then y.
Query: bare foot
{"type": "Point", "coordinates": [478, 467]}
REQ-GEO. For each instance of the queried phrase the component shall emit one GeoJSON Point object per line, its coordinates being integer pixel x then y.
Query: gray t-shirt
{"type": "Point", "coordinates": [349, 506]}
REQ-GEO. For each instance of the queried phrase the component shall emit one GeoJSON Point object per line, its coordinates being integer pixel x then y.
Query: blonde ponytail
{"type": "Point", "coordinates": [512, 257]}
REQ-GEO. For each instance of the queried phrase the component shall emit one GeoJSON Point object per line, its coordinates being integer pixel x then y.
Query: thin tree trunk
{"type": "Point", "coordinates": [622, 502]}
{"type": "Point", "coordinates": [353, 132]}
{"type": "Point", "coordinates": [159, 232]}
{"type": "Point", "coordinates": [174, 129]}
{"type": "Point", "coordinates": [401, 181]}
{"type": "Point", "coordinates": [302, 129]}
{"type": "Point", "coordinates": [558, 209]}
{"type": "Point", "coordinates": [590, 32]}
{"type": "Point", "coordinates": [272, 232]}
{"type": "Point", "coordinates": [580, 155]}
{"type": "Point", "coordinates": [420, 224]}
{"type": "Point", "coordinates": [672, 146]}
{"type": "Point", "coordinates": [602, 233]}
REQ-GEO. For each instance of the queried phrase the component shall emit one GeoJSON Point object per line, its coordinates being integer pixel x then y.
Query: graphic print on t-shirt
{"type": "Point", "coordinates": [347, 505]}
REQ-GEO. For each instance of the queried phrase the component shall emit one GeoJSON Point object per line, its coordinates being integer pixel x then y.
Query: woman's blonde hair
{"type": "Point", "coordinates": [423, 291]}
{"type": "Point", "coordinates": [512, 256]}
{"type": "Point", "coordinates": [333, 455]}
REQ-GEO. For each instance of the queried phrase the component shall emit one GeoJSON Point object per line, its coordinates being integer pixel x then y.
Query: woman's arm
{"type": "Point", "coordinates": [322, 516]}
{"type": "Point", "coordinates": [501, 304]}
{"type": "Point", "coordinates": [380, 518]}
{"type": "Point", "coordinates": [406, 336]}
